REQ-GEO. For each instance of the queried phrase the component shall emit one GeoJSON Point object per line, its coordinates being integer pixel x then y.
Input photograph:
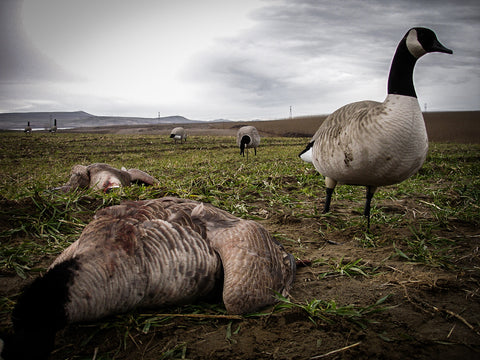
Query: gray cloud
{"type": "Point", "coordinates": [313, 54]}
{"type": "Point", "coordinates": [328, 52]}
{"type": "Point", "coordinates": [20, 61]}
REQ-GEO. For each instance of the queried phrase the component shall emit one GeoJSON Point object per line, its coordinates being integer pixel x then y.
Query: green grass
{"type": "Point", "coordinates": [274, 183]}
{"type": "Point", "coordinates": [347, 268]}
{"type": "Point", "coordinates": [330, 312]}
{"type": "Point", "coordinates": [275, 187]}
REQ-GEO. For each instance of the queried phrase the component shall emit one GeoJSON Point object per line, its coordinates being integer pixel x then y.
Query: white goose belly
{"type": "Point", "coordinates": [379, 149]}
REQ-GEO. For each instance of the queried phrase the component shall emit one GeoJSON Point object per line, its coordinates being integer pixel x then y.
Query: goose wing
{"type": "Point", "coordinates": [141, 176]}
{"type": "Point", "coordinates": [139, 254]}
{"type": "Point", "coordinates": [254, 264]}
{"type": "Point", "coordinates": [351, 115]}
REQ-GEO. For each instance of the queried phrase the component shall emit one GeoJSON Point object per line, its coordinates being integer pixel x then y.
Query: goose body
{"type": "Point", "coordinates": [104, 177]}
{"type": "Point", "coordinates": [178, 133]}
{"type": "Point", "coordinates": [342, 150]}
{"type": "Point", "coordinates": [247, 138]}
{"type": "Point", "coordinates": [148, 254]}
{"type": "Point", "coordinates": [377, 143]}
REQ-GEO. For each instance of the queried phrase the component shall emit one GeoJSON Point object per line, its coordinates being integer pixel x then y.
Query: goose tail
{"type": "Point", "coordinates": [40, 312]}
{"type": "Point", "coordinates": [306, 154]}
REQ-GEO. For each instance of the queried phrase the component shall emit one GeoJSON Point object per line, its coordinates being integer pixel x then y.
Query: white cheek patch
{"type": "Point", "coordinates": [413, 45]}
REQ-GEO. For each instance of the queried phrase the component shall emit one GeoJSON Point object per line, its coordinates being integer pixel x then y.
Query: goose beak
{"type": "Point", "coordinates": [437, 47]}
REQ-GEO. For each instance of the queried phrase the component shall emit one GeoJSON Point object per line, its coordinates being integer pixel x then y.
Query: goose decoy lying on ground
{"type": "Point", "coordinates": [248, 137]}
{"type": "Point", "coordinates": [104, 177]}
{"type": "Point", "coordinates": [375, 144]}
{"type": "Point", "coordinates": [28, 128]}
{"type": "Point", "coordinates": [178, 133]}
{"type": "Point", "coordinates": [144, 254]}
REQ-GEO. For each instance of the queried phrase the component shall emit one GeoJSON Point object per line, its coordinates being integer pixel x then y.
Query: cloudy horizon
{"type": "Point", "coordinates": [227, 59]}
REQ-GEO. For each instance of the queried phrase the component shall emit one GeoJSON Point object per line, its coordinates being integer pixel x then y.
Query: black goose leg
{"type": "Point", "coordinates": [328, 199]}
{"type": "Point", "coordinates": [330, 184]}
{"type": "Point", "coordinates": [370, 192]}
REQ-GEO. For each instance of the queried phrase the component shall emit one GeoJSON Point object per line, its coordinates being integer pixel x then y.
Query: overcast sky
{"type": "Point", "coordinates": [231, 59]}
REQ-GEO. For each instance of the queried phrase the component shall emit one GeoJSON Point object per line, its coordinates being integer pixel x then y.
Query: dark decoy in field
{"type": "Point", "coordinates": [53, 129]}
{"type": "Point", "coordinates": [247, 138]}
{"type": "Point", "coordinates": [104, 177]}
{"type": "Point", "coordinates": [146, 254]}
{"type": "Point", "coordinates": [28, 128]}
{"type": "Point", "coordinates": [375, 144]}
{"type": "Point", "coordinates": [178, 133]}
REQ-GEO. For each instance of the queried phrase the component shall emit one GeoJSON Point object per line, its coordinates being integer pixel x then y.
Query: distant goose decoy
{"type": "Point", "coordinates": [53, 129]}
{"type": "Point", "coordinates": [376, 144]}
{"type": "Point", "coordinates": [28, 128]}
{"type": "Point", "coordinates": [104, 177]}
{"type": "Point", "coordinates": [247, 138]}
{"type": "Point", "coordinates": [144, 254]}
{"type": "Point", "coordinates": [178, 133]}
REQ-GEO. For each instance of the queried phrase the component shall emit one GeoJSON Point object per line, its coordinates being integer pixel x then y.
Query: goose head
{"type": "Point", "coordinates": [417, 42]}
{"type": "Point", "coordinates": [420, 41]}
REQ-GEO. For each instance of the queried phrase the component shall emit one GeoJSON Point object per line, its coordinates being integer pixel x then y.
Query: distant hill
{"type": "Point", "coordinates": [77, 119]}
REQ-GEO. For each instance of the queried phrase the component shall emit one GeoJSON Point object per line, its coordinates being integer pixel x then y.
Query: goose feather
{"type": "Point", "coordinates": [148, 254]}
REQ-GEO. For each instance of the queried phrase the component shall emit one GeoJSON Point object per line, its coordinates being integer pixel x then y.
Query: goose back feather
{"type": "Point", "coordinates": [141, 255]}
{"type": "Point", "coordinates": [248, 138]}
{"type": "Point", "coordinates": [178, 133]}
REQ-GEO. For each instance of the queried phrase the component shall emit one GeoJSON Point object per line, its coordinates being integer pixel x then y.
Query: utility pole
{"type": "Point", "coordinates": [290, 111]}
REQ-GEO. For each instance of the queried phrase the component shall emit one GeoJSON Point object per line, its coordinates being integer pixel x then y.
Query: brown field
{"type": "Point", "coordinates": [434, 311]}
{"type": "Point", "coordinates": [460, 127]}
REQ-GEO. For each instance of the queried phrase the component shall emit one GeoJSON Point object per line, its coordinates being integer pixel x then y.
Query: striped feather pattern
{"type": "Point", "coordinates": [138, 254]}
{"type": "Point", "coordinates": [372, 143]}
{"type": "Point", "coordinates": [172, 251]}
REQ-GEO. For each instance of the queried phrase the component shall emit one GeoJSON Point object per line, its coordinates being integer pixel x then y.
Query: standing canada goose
{"type": "Point", "coordinates": [178, 133]}
{"type": "Point", "coordinates": [375, 144]}
{"type": "Point", "coordinates": [104, 177]}
{"type": "Point", "coordinates": [144, 254]}
{"type": "Point", "coordinates": [248, 137]}
{"type": "Point", "coordinates": [53, 129]}
{"type": "Point", "coordinates": [28, 128]}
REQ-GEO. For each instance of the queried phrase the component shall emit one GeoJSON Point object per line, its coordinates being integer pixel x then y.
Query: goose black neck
{"type": "Point", "coordinates": [400, 80]}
